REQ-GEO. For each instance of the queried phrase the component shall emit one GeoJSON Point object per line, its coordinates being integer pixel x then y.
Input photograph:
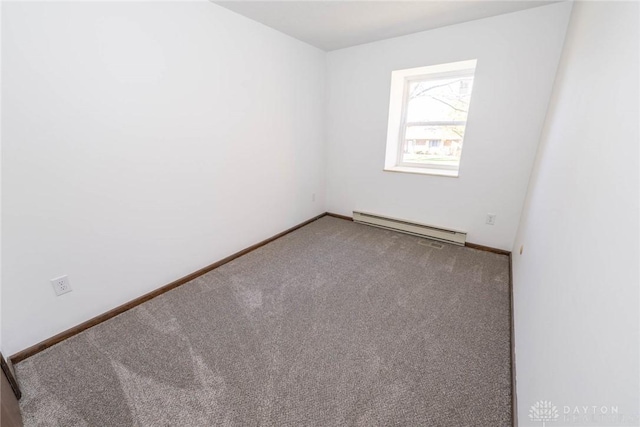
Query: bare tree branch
{"type": "Point", "coordinates": [423, 91]}
{"type": "Point", "coordinates": [446, 103]}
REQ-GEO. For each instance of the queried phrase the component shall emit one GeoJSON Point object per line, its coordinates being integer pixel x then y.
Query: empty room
{"type": "Point", "coordinates": [320, 213]}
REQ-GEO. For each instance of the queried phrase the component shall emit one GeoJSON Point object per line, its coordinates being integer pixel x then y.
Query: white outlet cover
{"type": "Point", "coordinates": [61, 285]}
{"type": "Point", "coordinates": [491, 219]}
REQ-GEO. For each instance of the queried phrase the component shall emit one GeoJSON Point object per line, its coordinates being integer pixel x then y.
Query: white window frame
{"type": "Point", "coordinates": [399, 100]}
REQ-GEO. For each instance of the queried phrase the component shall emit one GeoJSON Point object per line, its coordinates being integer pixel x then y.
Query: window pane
{"type": "Point", "coordinates": [439, 100]}
{"type": "Point", "coordinates": [433, 145]}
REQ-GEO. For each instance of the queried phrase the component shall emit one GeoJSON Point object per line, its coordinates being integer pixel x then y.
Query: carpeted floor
{"type": "Point", "coordinates": [335, 324]}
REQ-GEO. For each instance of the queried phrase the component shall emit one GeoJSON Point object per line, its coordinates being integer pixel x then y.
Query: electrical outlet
{"type": "Point", "coordinates": [61, 285]}
{"type": "Point", "coordinates": [313, 197]}
{"type": "Point", "coordinates": [491, 219]}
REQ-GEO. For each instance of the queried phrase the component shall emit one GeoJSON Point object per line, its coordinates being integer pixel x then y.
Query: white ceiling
{"type": "Point", "coordinates": [331, 25]}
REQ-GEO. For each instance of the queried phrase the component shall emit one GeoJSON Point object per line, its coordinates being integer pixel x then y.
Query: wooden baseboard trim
{"type": "Point", "coordinates": [37, 348]}
{"type": "Point", "coordinates": [467, 244]}
{"type": "Point", "coordinates": [346, 218]}
{"type": "Point", "coordinates": [512, 339]}
{"type": "Point", "coordinates": [487, 248]}
{"type": "Point", "coordinates": [8, 373]}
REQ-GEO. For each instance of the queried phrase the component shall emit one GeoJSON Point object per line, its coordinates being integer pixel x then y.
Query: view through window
{"type": "Point", "coordinates": [433, 116]}
{"type": "Point", "coordinates": [436, 115]}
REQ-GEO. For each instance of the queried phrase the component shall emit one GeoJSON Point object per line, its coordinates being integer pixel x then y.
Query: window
{"type": "Point", "coordinates": [427, 118]}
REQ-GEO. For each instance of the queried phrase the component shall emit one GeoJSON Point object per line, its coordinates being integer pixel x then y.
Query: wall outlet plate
{"type": "Point", "coordinates": [491, 219]}
{"type": "Point", "coordinates": [61, 285]}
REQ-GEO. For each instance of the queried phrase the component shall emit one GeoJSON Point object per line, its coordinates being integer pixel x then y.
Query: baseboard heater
{"type": "Point", "coordinates": [410, 227]}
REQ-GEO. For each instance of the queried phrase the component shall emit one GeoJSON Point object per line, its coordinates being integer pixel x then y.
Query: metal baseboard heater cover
{"type": "Point", "coordinates": [422, 230]}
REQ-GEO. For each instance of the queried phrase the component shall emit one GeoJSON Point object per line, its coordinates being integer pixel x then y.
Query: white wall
{"type": "Point", "coordinates": [141, 142]}
{"type": "Point", "coordinates": [1, 345]}
{"type": "Point", "coordinates": [517, 59]}
{"type": "Point", "coordinates": [576, 283]}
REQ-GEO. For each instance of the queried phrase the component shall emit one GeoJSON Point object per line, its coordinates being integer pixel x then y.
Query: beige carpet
{"type": "Point", "coordinates": [335, 324]}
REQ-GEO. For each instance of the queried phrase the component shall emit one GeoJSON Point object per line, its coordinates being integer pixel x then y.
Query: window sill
{"type": "Point", "coordinates": [423, 171]}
